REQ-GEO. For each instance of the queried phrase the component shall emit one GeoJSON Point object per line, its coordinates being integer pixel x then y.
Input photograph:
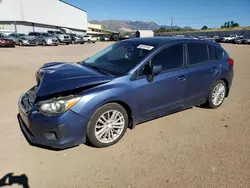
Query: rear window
{"type": "Point", "coordinates": [211, 51]}
{"type": "Point", "coordinates": [197, 53]}
{"type": "Point", "coordinates": [219, 53]}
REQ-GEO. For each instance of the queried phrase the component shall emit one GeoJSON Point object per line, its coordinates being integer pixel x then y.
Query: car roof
{"type": "Point", "coordinates": [156, 41]}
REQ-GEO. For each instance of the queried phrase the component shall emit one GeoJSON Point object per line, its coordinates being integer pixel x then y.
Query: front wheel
{"type": "Point", "coordinates": [108, 125]}
{"type": "Point", "coordinates": [20, 43]}
{"type": "Point", "coordinates": [217, 95]}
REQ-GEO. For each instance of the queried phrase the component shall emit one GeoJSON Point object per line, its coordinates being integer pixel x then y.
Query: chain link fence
{"type": "Point", "coordinates": [245, 33]}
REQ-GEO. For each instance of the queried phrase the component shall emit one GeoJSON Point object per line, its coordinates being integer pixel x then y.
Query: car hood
{"type": "Point", "coordinates": [28, 38]}
{"type": "Point", "coordinates": [49, 38]}
{"type": "Point", "coordinates": [57, 77]}
{"type": "Point", "coordinates": [62, 35]}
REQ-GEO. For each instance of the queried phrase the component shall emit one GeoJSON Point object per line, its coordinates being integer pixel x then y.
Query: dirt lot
{"type": "Point", "coordinates": [190, 149]}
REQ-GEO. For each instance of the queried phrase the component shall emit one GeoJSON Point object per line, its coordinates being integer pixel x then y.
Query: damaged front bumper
{"type": "Point", "coordinates": [61, 131]}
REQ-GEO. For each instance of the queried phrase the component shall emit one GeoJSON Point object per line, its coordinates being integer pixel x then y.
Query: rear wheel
{"type": "Point", "coordinates": [44, 43]}
{"type": "Point", "coordinates": [217, 95]}
{"type": "Point", "coordinates": [108, 125]}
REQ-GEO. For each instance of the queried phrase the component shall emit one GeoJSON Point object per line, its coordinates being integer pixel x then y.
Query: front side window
{"type": "Point", "coordinates": [119, 58]}
{"type": "Point", "coordinates": [59, 32]}
{"type": "Point", "coordinates": [197, 53]}
{"type": "Point", "coordinates": [169, 58]}
{"type": "Point", "coordinates": [46, 35]}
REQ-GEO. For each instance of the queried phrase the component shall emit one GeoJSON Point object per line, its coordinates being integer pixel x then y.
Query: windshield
{"type": "Point", "coordinates": [21, 35]}
{"type": "Point", "coordinates": [119, 58]}
{"type": "Point", "coordinates": [46, 35]}
{"type": "Point", "coordinates": [58, 32]}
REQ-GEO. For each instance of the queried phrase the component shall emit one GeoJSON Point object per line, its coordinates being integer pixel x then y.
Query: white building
{"type": "Point", "coordinates": [144, 33]}
{"type": "Point", "coordinates": [24, 16]}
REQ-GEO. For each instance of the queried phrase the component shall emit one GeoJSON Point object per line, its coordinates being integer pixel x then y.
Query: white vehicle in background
{"type": "Point", "coordinates": [89, 38]}
{"type": "Point", "coordinates": [230, 38]}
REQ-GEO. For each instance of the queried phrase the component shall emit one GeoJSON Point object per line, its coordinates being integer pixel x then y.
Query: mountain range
{"type": "Point", "coordinates": [127, 25]}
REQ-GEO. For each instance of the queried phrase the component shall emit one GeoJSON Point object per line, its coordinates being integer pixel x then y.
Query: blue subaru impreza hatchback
{"type": "Point", "coordinates": [127, 83]}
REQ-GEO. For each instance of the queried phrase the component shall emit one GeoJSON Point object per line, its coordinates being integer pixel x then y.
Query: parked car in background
{"type": "Point", "coordinates": [23, 40]}
{"type": "Point", "coordinates": [229, 38]}
{"type": "Point", "coordinates": [245, 40]}
{"type": "Point", "coordinates": [62, 38]}
{"type": "Point", "coordinates": [44, 39]}
{"type": "Point", "coordinates": [76, 39]}
{"type": "Point", "coordinates": [220, 39]}
{"type": "Point", "coordinates": [129, 82]}
{"type": "Point", "coordinates": [89, 38]}
{"type": "Point", "coordinates": [6, 42]}
{"type": "Point", "coordinates": [210, 38]}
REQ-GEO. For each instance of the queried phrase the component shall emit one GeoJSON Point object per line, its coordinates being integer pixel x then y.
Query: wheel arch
{"type": "Point", "coordinates": [128, 110]}
{"type": "Point", "coordinates": [227, 85]}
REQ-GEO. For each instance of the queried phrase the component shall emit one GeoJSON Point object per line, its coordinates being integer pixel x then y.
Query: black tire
{"type": "Point", "coordinates": [209, 102]}
{"type": "Point", "coordinates": [67, 43]}
{"type": "Point", "coordinates": [93, 41]}
{"type": "Point", "coordinates": [92, 124]}
{"type": "Point", "coordinates": [44, 43]}
{"type": "Point", "coordinates": [89, 41]}
{"type": "Point", "coordinates": [20, 43]}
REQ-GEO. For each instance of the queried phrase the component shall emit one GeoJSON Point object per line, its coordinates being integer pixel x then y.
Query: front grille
{"type": "Point", "coordinates": [54, 40]}
{"type": "Point", "coordinates": [66, 37]}
{"type": "Point", "coordinates": [32, 41]}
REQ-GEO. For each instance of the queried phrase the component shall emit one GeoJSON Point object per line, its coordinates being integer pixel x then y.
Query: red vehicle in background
{"type": "Point", "coordinates": [6, 42]}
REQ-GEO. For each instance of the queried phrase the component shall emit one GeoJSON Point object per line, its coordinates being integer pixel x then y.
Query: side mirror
{"type": "Point", "coordinates": [156, 69]}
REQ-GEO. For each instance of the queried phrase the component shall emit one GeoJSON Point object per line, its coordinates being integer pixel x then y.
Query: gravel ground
{"type": "Point", "coordinates": [190, 149]}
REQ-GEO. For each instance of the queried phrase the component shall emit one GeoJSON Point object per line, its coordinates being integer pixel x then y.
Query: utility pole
{"type": "Point", "coordinates": [172, 20]}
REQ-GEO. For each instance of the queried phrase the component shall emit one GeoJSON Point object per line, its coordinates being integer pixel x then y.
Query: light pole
{"type": "Point", "coordinates": [172, 20]}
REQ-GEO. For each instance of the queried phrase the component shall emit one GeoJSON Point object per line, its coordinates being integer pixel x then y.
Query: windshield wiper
{"type": "Point", "coordinates": [97, 69]}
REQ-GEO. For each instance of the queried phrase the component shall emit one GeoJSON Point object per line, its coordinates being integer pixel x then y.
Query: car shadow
{"type": "Point", "coordinates": [9, 180]}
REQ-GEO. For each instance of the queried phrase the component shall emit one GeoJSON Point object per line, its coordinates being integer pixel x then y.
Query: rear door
{"type": "Point", "coordinates": [203, 70]}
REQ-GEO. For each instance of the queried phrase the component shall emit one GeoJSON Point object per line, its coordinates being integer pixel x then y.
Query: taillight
{"type": "Point", "coordinates": [231, 62]}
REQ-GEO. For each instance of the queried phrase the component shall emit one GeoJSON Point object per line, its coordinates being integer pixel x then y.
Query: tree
{"type": "Point", "coordinates": [236, 25]}
{"type": "Point", "coordinates": [231, 23]}
{"type": "Point", "coordinates": [204, 27]}
{"type": "Point", "coordinates": [225, 25]}
{"type": "Point", "coordinates": [228, 24]}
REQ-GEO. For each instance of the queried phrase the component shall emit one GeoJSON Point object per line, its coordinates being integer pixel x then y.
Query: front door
{"type": "Point", "coordinates": [167, 91]}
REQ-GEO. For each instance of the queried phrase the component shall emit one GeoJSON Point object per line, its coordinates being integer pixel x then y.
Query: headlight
{"type": "Point", "coordinates": [49, 40]}
{"type": "Point", "coordinates": [57, 105]}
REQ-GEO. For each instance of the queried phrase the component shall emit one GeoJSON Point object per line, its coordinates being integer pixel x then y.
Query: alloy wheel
{"type": "Point", "coordinates": [218, 94]}
{"type": "Point", "coordinates": [109, 126]}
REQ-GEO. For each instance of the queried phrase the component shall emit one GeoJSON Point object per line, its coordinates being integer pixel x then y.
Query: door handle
{"type": "Point", "coordinates": [182, 78]}
{"type": "Point", "coordinates": [214, 69]}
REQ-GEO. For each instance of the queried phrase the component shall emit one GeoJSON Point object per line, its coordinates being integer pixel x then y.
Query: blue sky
{"type": "Point", "coordinates": [194, 13]}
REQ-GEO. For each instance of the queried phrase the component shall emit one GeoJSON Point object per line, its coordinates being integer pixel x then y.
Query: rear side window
{"type": "Point", "coordinates": [219, 53]}
{"type": "Point", "coordinates": [197, 53]}
{"type": "Point", "coordinates": [169, 58]}
{"type": "Point", "coordinates": [211, 51]}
